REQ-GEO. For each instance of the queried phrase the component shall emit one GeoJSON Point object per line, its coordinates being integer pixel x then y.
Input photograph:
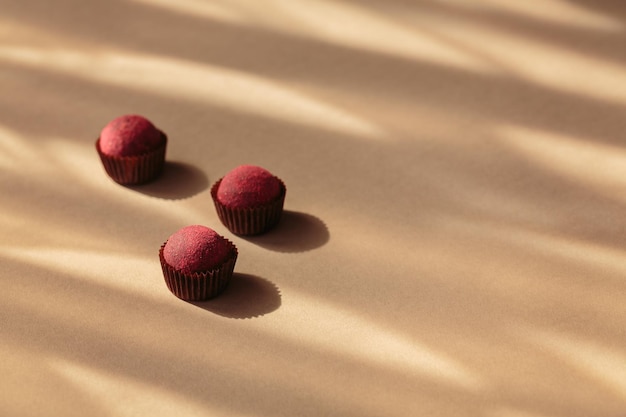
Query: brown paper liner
{"type": "Point", "coordinates": [133, 170]}
{"type": "Point", "coordinates": [198, 286]}
{"type": "Point", "coordinates": [253, 220]}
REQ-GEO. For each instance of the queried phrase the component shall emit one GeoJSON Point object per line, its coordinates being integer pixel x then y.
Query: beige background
{"type": "Point", "coordinates": [454, 237]}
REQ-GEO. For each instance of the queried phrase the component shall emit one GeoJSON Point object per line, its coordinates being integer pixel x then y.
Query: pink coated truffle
{"type": "Point", "coordinates": [248, 186]}
{"type": "Point", "coordinates": [196, 249]}
{"type": "Point", "coordinates": [130, 135]}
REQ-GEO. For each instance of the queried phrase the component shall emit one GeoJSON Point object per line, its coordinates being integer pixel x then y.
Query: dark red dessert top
{"type": "Point", "coordinates": [248, 186]}
{"type": "Point", "coordinates": [129, 135]}
{"type": "Point", "coordinates": [196, 249]}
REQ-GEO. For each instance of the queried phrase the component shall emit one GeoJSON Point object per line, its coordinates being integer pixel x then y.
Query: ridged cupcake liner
{"type": "Point", "coordinates": [198, 286]}
{"type": "Point", "coordinates": [250, 221]}
{"type": "Point", "coordinates": [134, 170]}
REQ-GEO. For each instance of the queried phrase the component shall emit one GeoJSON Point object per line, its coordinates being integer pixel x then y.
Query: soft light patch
{"type": "Point", "coordinates": [581, 160]}
{"type": "Point", "coordinates": [215, 10]}
{"type": "Point", "coordinates": [132, 397]}
{"type": "Point", "coordinates": [538, 62]}
{"type": "Point", "coordinates": [354, 26]}
{"type": "Point", "coordinates": [605, 364]}
{"type": "Point", "coordinates": [236, 90]}
{"type": "Point", "coordinates": [317, 324]}
{"type": "Point", "coordinates": [561, 12]}
{"type": "Point", "coordinates": [79, 262]}
{"type": "Point", "coordinates": [515, 412]}
{"type": "Point", "coordinates": [14, 149]}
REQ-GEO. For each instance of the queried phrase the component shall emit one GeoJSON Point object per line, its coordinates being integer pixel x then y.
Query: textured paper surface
{"type": "Point", "coordinates": [453, 241]}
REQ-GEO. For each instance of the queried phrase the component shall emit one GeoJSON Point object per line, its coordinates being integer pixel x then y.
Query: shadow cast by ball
{"type": "Point", "coordinates": [177, 181]}
{"type": "Point", "coordinates": [296, 232]}
{"type": "Point", "coordinates": [247, 296]}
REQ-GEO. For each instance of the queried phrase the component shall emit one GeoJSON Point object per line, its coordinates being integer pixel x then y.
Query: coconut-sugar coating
{"type": "Point", "coordinates": [196, 249]}
{"type": "Point", "coordinates": [129, 135]}
{"type": "Point", "coordinates": [248, 186]}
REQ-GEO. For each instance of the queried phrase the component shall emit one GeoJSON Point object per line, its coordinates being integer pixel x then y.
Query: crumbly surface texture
{"type": "Point", "coordinates": [129, 135]}
{"type": "Point", "coordinates": [196, 249]}
{"type": "Point", "coordinates": [248, 186]}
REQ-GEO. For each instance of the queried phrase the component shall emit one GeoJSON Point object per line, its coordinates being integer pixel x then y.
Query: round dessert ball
{"type": "Point", "coordinates": [129, 135]}
{"type": "Point", "coordinates": [249, 200]}
{"type": "Point", "coordinates": [196, 249]}
{"type": "Point", "coordinates": [248, 186]}
{"type": "Point", "coordinates": [132, 150]}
